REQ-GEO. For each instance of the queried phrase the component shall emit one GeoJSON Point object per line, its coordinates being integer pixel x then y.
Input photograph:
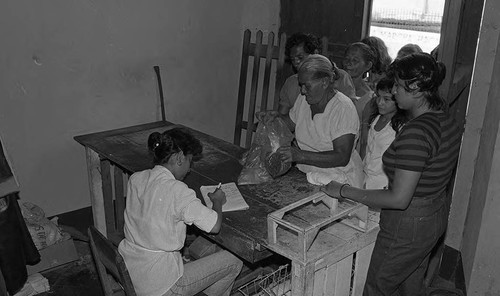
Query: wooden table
{"type": "Point", "coordinates": [113, 155]}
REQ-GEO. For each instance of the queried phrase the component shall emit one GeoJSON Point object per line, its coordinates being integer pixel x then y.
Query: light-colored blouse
{"type": "Point", "coordinates": [158, 209]}
{"type": "Point", "coordinates": [316, 134]}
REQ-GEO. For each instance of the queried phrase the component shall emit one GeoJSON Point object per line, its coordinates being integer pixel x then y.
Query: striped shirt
{"type": "Point", "coordinates": [429, 144]}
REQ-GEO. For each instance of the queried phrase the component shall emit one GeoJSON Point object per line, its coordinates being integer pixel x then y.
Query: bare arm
{"type": "Point", "coordinates": [217, 206]}
{"type": "Point", "coordinates": [288, 121]}
{"type": "Point", "coordinates": [365, 126]}
{"type": "Point", "coordinates": [398, 196]}
{"type": "Point", "coordinates": [283, 110]}
{"type": "Point", "coordinates": [338, 157]}
{"type": "Point", "coordinates": [218, 198]}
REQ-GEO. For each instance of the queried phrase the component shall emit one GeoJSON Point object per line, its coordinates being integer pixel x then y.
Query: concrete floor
{"type": "Point", "coordinates": [80, 277]}
{"type": "Point", "coordinates": [77, 278]}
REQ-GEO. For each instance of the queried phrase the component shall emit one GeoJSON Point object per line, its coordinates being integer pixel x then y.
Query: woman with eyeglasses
{"type": "Point", "coordinates": [419, 165]}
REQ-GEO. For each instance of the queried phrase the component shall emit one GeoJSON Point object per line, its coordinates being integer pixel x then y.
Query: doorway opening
{"type": "Point", "coordinates": [401, 22]}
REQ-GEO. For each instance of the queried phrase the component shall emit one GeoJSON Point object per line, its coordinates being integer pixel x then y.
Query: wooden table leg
{"type": "Point", "coordinates": [107, 195]}
{"type": "Point", "coordinates": [95, 186]}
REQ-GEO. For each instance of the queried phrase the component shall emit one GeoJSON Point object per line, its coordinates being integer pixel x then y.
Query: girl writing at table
{"type": "Point", "coordinates": [326, 126]}
{"type": "Point", "coordinates": [419, 164]}
{"type": "Point", "coordinates": [159, 206]}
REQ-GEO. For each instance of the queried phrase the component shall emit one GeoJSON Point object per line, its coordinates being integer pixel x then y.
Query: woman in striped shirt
{"type": "Point", "coordinates": [419, 165]}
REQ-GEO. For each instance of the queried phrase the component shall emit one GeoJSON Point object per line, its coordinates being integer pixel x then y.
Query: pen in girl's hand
{"type": "Point", "coordinates": [218, 187]}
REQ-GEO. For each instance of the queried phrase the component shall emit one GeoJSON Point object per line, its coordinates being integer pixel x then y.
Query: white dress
{"type": "Point", "coordinates": [316, 134]}
{"type": "Point", "coordinates": [377, 143]}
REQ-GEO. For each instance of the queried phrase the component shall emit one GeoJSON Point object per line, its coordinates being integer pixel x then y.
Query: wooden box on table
{"type": "Point", "coordinates": [329, 244]}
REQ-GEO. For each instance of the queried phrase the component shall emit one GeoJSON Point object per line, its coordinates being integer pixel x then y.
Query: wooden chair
{"type": "Point", "coordinates": [107, 259]}
{"type": "Point", "coordinates": [260, 88]}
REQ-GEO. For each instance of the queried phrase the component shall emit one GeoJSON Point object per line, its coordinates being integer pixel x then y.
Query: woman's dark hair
{"type": "Point", "coordinates": [421, 72]}
{"type": "Point", "coordinates": [435, 52]}
{"type": "Point", "coordinates": [408, 49]}
{"type": "Point", "coordinates": [172, 141]}
{"type": "Point", "coordinates": [311, 43]}
{"type": "Point", "coordinates": [366, 52]}
{"type": "Point", "coordinates": [399, 118]}
{"type": "Point", "coordinates": [382, 58]}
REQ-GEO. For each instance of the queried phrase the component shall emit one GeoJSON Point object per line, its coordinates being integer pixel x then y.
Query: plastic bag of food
{"type": "Point", "coordinates": [44, 232]}
{"type": "Point", "coordinates": [261, 163]}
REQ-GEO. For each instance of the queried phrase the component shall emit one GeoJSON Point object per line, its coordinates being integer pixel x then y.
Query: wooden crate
{"type": "Point", "coordinates": [342, 278]}
{"type": "Point", "coordinates": [349, 212]}
{"type": "Point", "coordinates": [329, 245]}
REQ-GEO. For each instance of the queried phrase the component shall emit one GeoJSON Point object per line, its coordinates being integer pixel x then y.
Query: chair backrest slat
{"type": "Point", "coordinates": [101, 269]}
{"type": "Point", "coordinates": [253, 89]}
{"type": "Point", "coordinates": [242, 87]}
{"type": "Point", "coordinates": [107, 259]}
{"type": "Point", "coordinates": [264, 48]}
{"type": "Point", "coordinates": [272, 55]}
{"type": "Point", "coordinates": [280, 74]}
{"type": "Point", "coordinates": [267, 73]}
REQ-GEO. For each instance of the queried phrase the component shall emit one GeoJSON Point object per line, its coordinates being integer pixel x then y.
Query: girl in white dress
{"type": "Point", "coordinates": [384, 123]}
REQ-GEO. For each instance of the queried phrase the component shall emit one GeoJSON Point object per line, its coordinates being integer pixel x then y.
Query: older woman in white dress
{"type": "Point", "coordinates": [326, 127]}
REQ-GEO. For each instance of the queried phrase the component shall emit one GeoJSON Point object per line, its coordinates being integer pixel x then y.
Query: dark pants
{"type": "Point", "coordinates": [16, 246]}
{"type": "Point", "coordinates": [402, 249]}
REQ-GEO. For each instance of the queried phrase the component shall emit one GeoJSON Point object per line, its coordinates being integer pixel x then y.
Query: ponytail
{"type": "Point", "coordinates": [173, 141]}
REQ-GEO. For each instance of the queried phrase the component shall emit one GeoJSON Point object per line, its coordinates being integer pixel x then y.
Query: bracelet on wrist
{"type": "Point", "coordinates": [342, 187]}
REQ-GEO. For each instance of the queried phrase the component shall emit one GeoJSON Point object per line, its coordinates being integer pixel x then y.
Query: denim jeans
{"type": "Point", "coordinates": [213, 274]}
{"type": "Point", "coordinates": [402, 250]}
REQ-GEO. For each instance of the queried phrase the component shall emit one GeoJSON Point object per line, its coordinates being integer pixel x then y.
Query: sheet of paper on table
{"type": "Point", "coordinates": [234, 199]}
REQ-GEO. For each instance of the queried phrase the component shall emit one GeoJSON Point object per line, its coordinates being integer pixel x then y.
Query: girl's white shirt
{"type": "Point", "coordinates": [377, 144]}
